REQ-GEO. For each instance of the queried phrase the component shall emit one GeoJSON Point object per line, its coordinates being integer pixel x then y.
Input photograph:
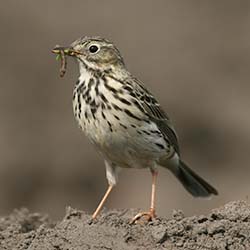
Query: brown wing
{"type": "Point", "coordinates": [156, 114]}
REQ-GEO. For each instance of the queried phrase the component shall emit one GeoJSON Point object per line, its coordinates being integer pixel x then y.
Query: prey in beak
{"type": "Point", "coordinates": [62, 53]}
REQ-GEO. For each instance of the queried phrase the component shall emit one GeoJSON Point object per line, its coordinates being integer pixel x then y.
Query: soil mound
{"type": "Point", "coordinates": [227, 228]}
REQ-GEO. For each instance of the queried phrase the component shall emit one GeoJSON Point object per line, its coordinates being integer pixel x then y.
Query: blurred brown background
{"type": "Point", "coordinates": [193, 55]}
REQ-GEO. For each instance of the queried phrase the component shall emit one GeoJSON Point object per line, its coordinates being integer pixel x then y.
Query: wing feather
{"type": "Point", "coordinates": [156, 114]}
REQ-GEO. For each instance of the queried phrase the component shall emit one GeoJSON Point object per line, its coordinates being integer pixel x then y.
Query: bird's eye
{"type": "Point", "coordinates": [93, 48]}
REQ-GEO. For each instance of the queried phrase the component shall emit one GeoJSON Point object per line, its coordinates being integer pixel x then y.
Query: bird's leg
{"type": "Point", "coordinates": [98, 209]}
{"type": "Point", "coordinates": [152, 206]}
{"type": "Point", "coordinates": [151, 213]}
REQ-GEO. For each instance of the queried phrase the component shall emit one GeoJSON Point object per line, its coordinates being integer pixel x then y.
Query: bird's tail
{"type": "Point", "coordinates": [192, 182]}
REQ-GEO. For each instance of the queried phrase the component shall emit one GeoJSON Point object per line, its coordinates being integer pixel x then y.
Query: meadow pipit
{"type": "Point", "coordinates": [124, 120]}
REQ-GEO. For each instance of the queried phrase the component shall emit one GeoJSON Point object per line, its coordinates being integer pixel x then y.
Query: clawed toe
{"type": "Point", "coordinates": [148, 217]}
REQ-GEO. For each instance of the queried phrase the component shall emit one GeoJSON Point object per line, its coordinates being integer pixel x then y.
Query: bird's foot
{"type": "Point", "coordinates": [147, 215]}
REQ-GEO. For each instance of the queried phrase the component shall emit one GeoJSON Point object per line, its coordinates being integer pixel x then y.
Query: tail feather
{"type": "Point", "coordinates": [192, 182]}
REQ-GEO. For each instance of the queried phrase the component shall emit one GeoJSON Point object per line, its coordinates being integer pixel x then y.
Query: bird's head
{"type": "Point", "coordinates": [93, 52]}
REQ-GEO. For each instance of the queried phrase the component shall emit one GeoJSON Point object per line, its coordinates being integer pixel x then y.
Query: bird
{"type": "Point", "coordinates": [124, 120]}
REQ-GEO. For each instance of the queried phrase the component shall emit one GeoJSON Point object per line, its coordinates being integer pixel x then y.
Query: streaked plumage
{"type": "Point", "coordinates": [123, 119]}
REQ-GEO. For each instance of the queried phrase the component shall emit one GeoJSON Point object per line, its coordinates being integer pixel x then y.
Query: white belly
{"type": "Point", "coordinates": [121, 144]}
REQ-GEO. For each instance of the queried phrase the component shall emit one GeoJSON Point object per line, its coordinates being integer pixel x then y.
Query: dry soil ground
{"type": "Point", "coordinates": [226, 228]}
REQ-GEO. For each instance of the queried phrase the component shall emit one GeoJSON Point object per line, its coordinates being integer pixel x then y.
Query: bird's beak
{"type": "Point", "coordinates": [69, 51]}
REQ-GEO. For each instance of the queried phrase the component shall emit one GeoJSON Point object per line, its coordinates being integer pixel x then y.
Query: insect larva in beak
{"type": "Point", "coordinates": [63, 63]}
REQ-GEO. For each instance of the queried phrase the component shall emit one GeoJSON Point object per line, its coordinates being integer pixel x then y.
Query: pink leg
{"type": "Point", "coordinates": [151, 214]}
{"type": "Point", "coordinates": [98, 209]}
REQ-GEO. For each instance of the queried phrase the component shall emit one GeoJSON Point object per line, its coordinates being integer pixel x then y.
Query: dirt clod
{"type": "Point", "coordinates": [227, 227]}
